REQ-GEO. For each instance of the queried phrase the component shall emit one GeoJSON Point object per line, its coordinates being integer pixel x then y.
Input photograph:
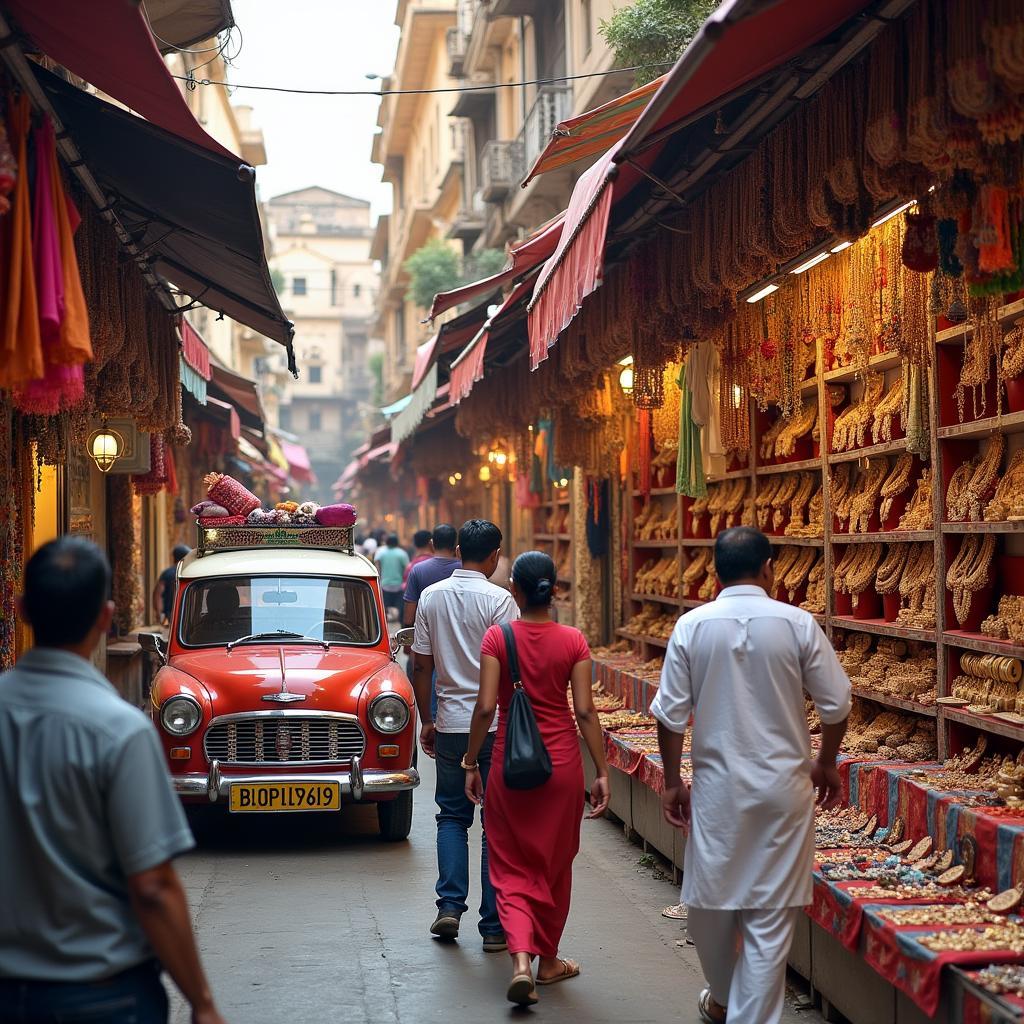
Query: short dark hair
{"type": "Point", "coordinates": [67, 582]}
{"type": "Point", "coordinates": [445, 537]}
{"type": "Point", "coordinates": [740, 553]}
{"type": "Point", "coordinates": [392, 540]}
{"type": "Point", "coordinates": [180, 551]}
{"type": "Point", "coordinates": [421, 538]}
{"type": "Point", "coordinates": [534, 573]}
{"type": "Point", "coordinates": [478, 540]}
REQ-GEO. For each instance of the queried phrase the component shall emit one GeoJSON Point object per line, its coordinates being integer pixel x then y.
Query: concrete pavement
{"type": "Point", "coordinates": [303, 921]}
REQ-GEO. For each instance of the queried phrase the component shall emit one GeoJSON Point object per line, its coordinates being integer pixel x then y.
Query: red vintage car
{"type": "Point", "coordinates": [279, 690]}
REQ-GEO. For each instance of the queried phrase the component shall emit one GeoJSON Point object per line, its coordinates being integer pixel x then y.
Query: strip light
{"type": "Point", "coordinates": [812, 262]}
{"type": "Point", "coordinates": [841, 246]}
{"type": "Point", "coordinates": [763, 293]}
{"type": "Point", "coordinates": [893, 213]}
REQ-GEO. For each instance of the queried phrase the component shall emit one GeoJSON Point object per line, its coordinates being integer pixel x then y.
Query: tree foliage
{"type": "Point", "coordinates": [436, 267]}
{"type": "Point", "coordinates": [654, 32]}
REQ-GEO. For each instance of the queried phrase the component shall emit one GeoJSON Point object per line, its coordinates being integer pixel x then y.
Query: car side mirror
{"type": "Point", "coordinates": [154, 643]}
{"type": "Point", "coordinates": [402, 640]}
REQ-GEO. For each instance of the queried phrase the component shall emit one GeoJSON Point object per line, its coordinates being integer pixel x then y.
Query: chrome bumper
{"type": "Point", "coordinates": [356, 783]}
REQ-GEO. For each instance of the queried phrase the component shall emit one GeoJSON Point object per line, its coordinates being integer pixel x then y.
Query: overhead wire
{"type": "Point", "coordinates": [420, 92]}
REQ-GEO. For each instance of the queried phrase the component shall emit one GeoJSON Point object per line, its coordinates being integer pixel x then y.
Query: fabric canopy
{"type": "Point", "coordinates": [741, 41]}
{"type": "Point", "coordinates": [592, 132]}
{"type": "Point", "coordinates": [109, 44]}
{"type": "Point", "coordinates": [348, 475]}
{"type": "Point", "coordinates": [227, 414]}
{"type": "Point", "coordinates": [239, 392]}
{"type": "Point", "coordinates": [177, 24]}
{"type": "Point", "coordinates": [522, 258]}
{"type": "Point", "coordinates": [194, 350]}
{"type": "Point", "coordinates": [190, 210]}
{"type": "Point", "coordinates": [298, 462]}
{"type": "Point", "coordinates": [424, 360]}
{"type": "Point", "coordinates": [420, 401]}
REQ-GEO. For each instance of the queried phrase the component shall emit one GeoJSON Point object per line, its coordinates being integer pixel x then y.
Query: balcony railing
{"type": "Point", "coordinates": [499, 165]}
{"type": "Point", "coordinates": [551, 106]}
{"type": "Point", "coordinates": [455, 40]}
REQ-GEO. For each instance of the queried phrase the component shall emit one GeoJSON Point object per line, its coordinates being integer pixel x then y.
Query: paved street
{"type": "Point", "coordinates": [305, 923]}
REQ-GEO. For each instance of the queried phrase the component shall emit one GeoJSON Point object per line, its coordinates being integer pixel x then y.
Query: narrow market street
{"type": "Point", "coordinates": [299, 921]}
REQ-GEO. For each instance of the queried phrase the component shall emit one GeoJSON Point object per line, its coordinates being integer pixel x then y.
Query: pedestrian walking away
{"type": "Point", "coordinates": [422, 552]}
{"type": "Point", "coordinates": [534, 834]}
{"type": "Point", "coordinates": [740, 666]}
{"type": "Point", "coordinates": [163, 592]}
{"type": "Point", "coordinates": [392, 561]}
{"type": "Point", "coordinates": [92, 908]}
{"type": "Point", "coordinates": [439, 567]}
{"type": "Point", "coordinates": [451, 620]}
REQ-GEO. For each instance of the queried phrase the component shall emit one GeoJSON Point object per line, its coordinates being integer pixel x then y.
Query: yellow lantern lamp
{"type": "Point", "coordinates": [626, 376]}
{"type": "Point", "coordinates": [485, 474]}
{"type": "Point", "coordinates": [106, 446]}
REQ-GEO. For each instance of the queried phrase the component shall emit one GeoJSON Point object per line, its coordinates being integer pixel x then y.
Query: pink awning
{"type": "Point", "coordinates": [522, 258]}
{"type": "Point", "coordinates": [109, 44]}
{"type": "Point", "coordinates": [348, 474]}
{"type": "Point", "coordinates": [298, 462]}
{"type": "Point", "coordinates": [424, 360]}
{"type": "Point", "coordinates": [740, 42]}
{"type": "Point", "coordinates": [194, 350]}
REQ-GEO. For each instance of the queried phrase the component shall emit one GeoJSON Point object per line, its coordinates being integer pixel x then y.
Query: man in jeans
{"type": "Point", "coordinates": [451, 619]}
{"type": "Point", "coordinates": [91, 909]}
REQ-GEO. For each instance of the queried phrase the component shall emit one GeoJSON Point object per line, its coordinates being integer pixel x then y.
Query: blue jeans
{"type": "Point", "coordinates": [135, 996]}
{"type": "Point", "coordinates": [453, 823]}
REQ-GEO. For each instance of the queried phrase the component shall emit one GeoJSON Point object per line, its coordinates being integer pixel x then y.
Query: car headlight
{"type": "Point", "coordinates": [181, 715]}
{"type": "Point", "coordinates": [389, 714]}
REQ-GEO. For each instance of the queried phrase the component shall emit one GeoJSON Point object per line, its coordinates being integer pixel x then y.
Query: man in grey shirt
{"type": "Point", "coordinates": [91, 909]}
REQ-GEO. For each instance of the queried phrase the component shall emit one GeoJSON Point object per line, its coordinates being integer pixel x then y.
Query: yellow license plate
{"type": "Point", "coordinates": [285, 796]}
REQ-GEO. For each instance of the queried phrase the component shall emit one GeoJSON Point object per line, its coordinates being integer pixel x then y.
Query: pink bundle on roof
{"type": "Point", "coordinates": [336, 515]}
{"type": "Point", "coordinates": [227, 491]}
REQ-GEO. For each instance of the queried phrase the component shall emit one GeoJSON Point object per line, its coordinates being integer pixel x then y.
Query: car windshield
{"type": "Point", "coordinates": [218, 611]}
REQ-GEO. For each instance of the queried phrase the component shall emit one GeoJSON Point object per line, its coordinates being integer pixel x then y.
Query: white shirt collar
{"type": "Point", "coordinates": [743, 590]}
{"type": "Point", "coordinates": [471, 573]}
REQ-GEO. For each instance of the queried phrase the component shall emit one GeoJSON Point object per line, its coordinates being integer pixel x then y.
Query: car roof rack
{"type": "Point", "coordinates": [212, 539]}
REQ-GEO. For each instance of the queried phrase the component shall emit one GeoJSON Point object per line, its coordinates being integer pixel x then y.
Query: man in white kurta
{"type": "Point", "coordinates": [740, 665]}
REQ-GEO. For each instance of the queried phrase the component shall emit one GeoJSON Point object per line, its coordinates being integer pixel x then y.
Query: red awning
{"type": "Point", "coordinates": [240, 392]}
{"type": "Point", "coordinates": [298, 462]}
{"type": "Point", "coordinates": [382, 453]}
{"type": "Point", "coordinates": [469, 367]}
{"type": "Point", "coordinates": [194, 350]}
{"type": "Point", "coordinates": [229, 414]}
{"type": "Point", "coordinates": [348, 474]}
{"type": "Point", "coordinates": [740, 42]}
{"type": "Point", "coordinates": [109, 44]}
{"type": "Point", "coordinates": [522, 258]}
{"type": "Point", "coordinates": [424, 361]}
{"type": "Point", "coordinates": [592, 132]}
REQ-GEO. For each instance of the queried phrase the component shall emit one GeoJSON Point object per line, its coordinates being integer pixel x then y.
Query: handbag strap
{"type": "Point", "coordinates": [512, 655]}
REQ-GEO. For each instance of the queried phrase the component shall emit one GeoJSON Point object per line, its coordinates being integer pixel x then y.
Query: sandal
{"type": "Point", "coordinates": [521, 991]}
{"type": "Point", "coordinates": [704, 1002]}
{"type": "Point", "coordinates": [570, 969]}
{"type": "Point", "coordinates": [677, 912]}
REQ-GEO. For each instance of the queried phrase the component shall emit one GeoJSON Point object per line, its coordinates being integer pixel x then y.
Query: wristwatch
{"type": "Point", "coordinates": [469, 767]}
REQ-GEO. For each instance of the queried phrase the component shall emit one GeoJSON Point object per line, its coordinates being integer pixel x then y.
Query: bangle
{"type": "Point", "coordinates": [469, 767]}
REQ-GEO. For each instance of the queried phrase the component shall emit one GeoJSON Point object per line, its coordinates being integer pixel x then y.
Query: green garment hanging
{"type": "Point", "coordinates": [690, 463]}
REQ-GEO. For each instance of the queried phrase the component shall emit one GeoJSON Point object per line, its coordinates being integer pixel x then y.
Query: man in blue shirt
{"type": "Point", "coordinates": [432, 570]}
{"type": "Point", "coordinates": [91, 908]}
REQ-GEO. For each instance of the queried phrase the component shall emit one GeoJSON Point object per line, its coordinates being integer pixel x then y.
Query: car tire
{"type": "Point", "coordinates": [395, 817]}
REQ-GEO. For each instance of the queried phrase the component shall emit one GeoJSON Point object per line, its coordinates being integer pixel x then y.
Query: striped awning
{"type": "Point", "coordinates": [593, 132]}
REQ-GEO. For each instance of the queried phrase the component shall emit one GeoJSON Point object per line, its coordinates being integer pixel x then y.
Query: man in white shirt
{"type": "Point", "coordinates": [451, 619]}
{"type": "Point", "coordinates": [740, 665]}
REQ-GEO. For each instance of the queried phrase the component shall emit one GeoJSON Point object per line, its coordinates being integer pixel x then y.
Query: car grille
{"type": "Point", "coordinates": [292, 741]}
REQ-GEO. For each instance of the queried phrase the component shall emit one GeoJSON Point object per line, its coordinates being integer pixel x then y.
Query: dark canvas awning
{"type": "Point", "coordinates": [177, 24]}
{"type": "Point", "coordinates": [192, 212]}
{"type": "Point", "coordinates": [239, 392]}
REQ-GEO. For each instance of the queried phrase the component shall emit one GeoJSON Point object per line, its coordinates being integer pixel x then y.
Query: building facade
{"type": "Point", "coordinates": [455, 160]}
{"type": "Point", "coordinates": [328, 287]}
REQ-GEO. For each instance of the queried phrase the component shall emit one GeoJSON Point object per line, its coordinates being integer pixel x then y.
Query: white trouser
{"type": "Point", "coordinates": [743, 954]}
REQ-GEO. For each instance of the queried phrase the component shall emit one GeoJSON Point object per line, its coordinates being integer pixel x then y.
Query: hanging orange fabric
{"type": "Point", "coordinates": [75, 345]}
{"type": "Point", "coordinates": [21, 348]}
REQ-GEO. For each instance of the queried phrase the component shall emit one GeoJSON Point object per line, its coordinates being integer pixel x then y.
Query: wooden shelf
{"type": "Point", "coordinates": [1016, 527]}
{"type": "Point", "coordinates": [819, 618]}
{"type": "Point", "coordinates": [640, 639]}
{"type": "Point", "coordinates": [656, 492]}
{"type": "Point", "coordinates": [809, 386]}
{"type": "Point", "coordinates": [982, 643]}
{"type": "Point", "coordinates": [1008, 423]}
{"type": "Point", "coordinates": [895, 702]}
{"type": "Point", "coordinates": [984, 722]}
{"type": "Point", "coordinates": [953, 335]}
{"type": "Point", "coordinates": [876, 364]}
{"type": "Point", "coordinates": [801, 542]}
{"type": "Point", "coordinates": [697, 542]}
{"type": "Point", "coordinates": [691, 602]}
{"type": "Point", "coordinates": [885, 448]}
{"type": "Point", "coordinates": [884, 537]}
{"type": "Point", "coordinates": [732, 474]}
{"type": "Point", "coordinates": [656, 543]}
{"type": "Point", "coordinates": [658, 598]}
{"type": "Point", "coordinates": [790, 467]}
{"type": "Point", "coordinates": [882, 628]}
{"type": "Point", "coordinates": [552, 536]}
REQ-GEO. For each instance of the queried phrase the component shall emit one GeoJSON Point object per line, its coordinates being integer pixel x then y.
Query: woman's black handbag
{"type": "Point", "coordinates": [527, 762]}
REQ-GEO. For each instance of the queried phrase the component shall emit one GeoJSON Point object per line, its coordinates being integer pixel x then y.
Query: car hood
{"type": "Point", "coordinates": [243, 679]}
